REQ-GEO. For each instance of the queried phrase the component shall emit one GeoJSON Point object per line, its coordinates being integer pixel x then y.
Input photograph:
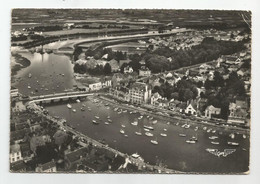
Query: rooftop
{"type": "Point", "coordinates": [75, 155]}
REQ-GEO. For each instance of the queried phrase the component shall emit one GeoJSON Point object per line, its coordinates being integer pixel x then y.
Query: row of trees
{"type": "Point", "coordinates": [98, 70]}
{"type": "Point", "coordinates": [208, 50]}
{"type": "Point", "coordinates": [184, 90]}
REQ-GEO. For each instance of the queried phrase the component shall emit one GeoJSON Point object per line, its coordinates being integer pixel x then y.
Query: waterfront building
{"type": "Point", "coordinates": [140, 93]}
{"type": "Point", "coordinates": [238, 112]}
{"type": "Point", "coordinates": [120, 92]}
{"type": "Point", "coordinates": [155, 97]}
{"type": "Point", "coordinates": [15, 153]}
{"type": "Point", "coordinates": [191, 108]}
{"type": "Point", "coordinates": [211, 110]}
{"type": "Point", "coordinates": [47, 167]}
{"type": "Point", "coordinates": [14, 92]}
{"type": "Point", "coordinates": [95, 86]}
{"type": "Point", "coordinates": [144, 72]}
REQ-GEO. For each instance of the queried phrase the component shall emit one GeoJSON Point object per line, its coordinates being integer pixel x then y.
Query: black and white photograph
{"type": "Point", "coordinates": [137, 91]}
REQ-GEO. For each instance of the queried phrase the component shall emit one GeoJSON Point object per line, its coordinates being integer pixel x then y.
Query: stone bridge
{"type": "Point", "coordinates": [58, 97]}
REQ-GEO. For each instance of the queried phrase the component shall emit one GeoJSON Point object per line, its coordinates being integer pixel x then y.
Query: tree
{"type": "Point", "coordinates": [175, 95]}
{"type": "Point", "coordinates": [107, 69]}
{"type": "Point", "coordinates": [76, 53]}
{"type": "Point", "coordinates": [188, 95]}
{"type": "Point", "coordinates": [123, 66]}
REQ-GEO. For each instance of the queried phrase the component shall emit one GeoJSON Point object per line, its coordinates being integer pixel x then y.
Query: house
{"type": "Point", "coordinates": [154, 81]}
{"type": "Point", "coordinates": [155, 97]}
{"type": "Point", "coordinates": [128, 69]}
{"type": "Point", "coordinates": [144, 71]}
{"type": "Point", "coordinates": [116, 79]}
{"type": "Point", "coordinates": [140, 93]}
{"type": "Point", "coordinates": [120, 92]}
{"type": "Point", "coordinates": [204, 68]}
{"type": "Point", "coordinates": [114, 65]}
{"type": "Point", "coordinates": [18, 166]}
{"type": "Point", "coordinates": [238, 112]}
{"type": "Point", "coordinates": [15, 153]}
{"type": "Point", "coordinates": [211, 110]}
{"type": "Point", "coordinates": [35, 142]}
{"type": "Point", "coordinates": [142, 62]}
{"type": "Point", "coordinates": [25, 150]}
{"type": "Point", "coordinates": [46, 167]}
{"type": "Point", "coordinates": [191, 108]}
{"type": "Point", "coordinates": [18, 107]}
{"type": "Point", "coordinates": [232, 60]}
{"type": "Point", "coordinates": [19, 135]}
{"type": "Point", "coordinates": [14, 92]}
{"type": "Point", "coordinates": [95, 86]}
{"type": "Point", "coordinates": [75, 157]}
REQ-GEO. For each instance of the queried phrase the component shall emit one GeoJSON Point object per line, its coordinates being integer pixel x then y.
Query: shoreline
{"type": "Point", "coordinates": [20, 64]}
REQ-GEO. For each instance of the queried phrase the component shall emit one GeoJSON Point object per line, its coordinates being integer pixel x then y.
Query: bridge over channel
{"type": "Point", "coordinates": [59, 97]}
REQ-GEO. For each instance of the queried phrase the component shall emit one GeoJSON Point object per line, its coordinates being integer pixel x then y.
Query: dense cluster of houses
{"type": "Point", "coordinates": [140, 93]}
{"type": "Point", "coordinates": [30, 130]}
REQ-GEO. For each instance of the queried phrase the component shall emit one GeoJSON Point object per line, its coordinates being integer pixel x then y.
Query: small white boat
{"type": "Point", "coordinates": [124, 111]}
{"type": "Point", "coordinates": [165, 129]}
{"type": "Point", "coordinates": [122, 131]}
{"type": "Point", "coordinates": [208, 130]}
{"type": "Point", "coordinates": [213, 131]}
{"type": "Point", "coordinates": [135, 123]}
{"type": "Point", "coordinates": [126, 135]}
{"type": "Point", "coordinates": [109, 120]}
{"type": "Point", "coordinates": [168, 123]}
{"type": "Point", "coordinates": [182, 135]}
{"type": "Point", "coordinates": [106, 123]}
{"type": "Point", "coordinates": [163, 135]}
{"type": "Point", "coordinates": [204, 128]}
{"type": "Point", "coordinates": [233, 143]}
{"type": "Point", "coordinates": [187, 126]}
{"type": "Point", "coordinates": [147, 130]}
{"type": "Point", "coordinates": [244, 136]}
{"type": "Point", "coordinates": [78, 100]}
{"type": "Point", "coordinates": [196, 128]}
{"type": "Point", "coordinates": [69, 106]}
{"type": "Point", "coordinates": [212, 142]}
{"type": "Point", "coordinates": [74, 110]}
{"type": "Point", "coordinates": [149, 134]}
{"type": "Point", "coordinates": [140, 117]}
{"type": "Point", "coordinates": [108, 117]}
{"type": "Point", "coordinates": [190, 141]}
{"type": "Point", "coordinates": [155, 121]}
{"type": "Point", "coordinates": [213, 137]}
{"type": "Point", "coordinates": [138, 133]}
{"type": "Point", "coordinates": [154, 142]}
{"type": "Point", "coordinates": [94, 121]}
{"type": "Point", "coordinates": [29, 87]}
{"type": "Point", "coordinates": [82, 109]}
{"type": "Point", "coordinates": [232, 136]}
{"type": "Point", "coordinates": [148, 127]}
{"type": "Point", "coordinates": [97, 117]}
{"type": "Point", "coordinates": [123, 126]}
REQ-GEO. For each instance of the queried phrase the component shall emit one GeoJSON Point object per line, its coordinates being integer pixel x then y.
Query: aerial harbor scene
{"type": "Point", "coordinates": [130, 91]}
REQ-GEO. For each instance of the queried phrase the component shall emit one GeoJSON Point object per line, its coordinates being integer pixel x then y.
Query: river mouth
{"type": "Point", "coordinates": [172, 150]}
